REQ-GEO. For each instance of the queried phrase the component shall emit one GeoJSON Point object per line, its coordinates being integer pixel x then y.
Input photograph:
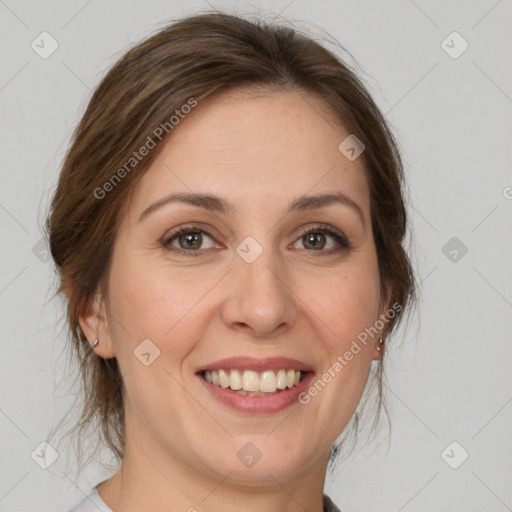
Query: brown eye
{"type": "Point", "coordinates": [314, 241]}
{"type": "Point", "coordinates": [324, 240]}
{"type": "Point", "coordinates": [190, 241]}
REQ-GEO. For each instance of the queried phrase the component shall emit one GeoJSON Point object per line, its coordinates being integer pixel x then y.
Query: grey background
{"type": "Point", "coordinates": [449, 381]}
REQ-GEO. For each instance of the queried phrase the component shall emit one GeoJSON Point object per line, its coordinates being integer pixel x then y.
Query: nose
{"type": "Point", "coordinates": [260, 301]}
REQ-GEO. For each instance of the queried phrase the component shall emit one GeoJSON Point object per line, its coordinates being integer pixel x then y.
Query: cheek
{"type": "Point", "coordinates": [151, 301]}
{"type": "Point", "coordinates": [145, 302]}
{"type": "Point", "coordinates": [346, 303]}
{"type": "Point", "coordinates": [344, 309]}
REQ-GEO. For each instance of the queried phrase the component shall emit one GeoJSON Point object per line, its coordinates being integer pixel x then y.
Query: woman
{"type": "Point", "coordinates": [228, 227]}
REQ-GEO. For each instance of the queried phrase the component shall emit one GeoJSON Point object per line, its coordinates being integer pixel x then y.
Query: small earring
{"type": "Point", "coordinates": [381, 342]}
{"type": "Point", "coordinates": [95, 344]}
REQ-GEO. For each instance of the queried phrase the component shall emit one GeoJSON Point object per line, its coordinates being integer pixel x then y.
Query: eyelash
{"type": "Point", "coordinates": [340, 238]}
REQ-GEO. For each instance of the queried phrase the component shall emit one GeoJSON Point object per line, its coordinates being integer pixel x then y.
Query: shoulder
{"type": "Point", "coordinates": [91, 503]}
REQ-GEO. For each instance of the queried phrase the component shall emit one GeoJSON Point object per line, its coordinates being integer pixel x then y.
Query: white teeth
{"type": "Point", "coordinates": [281, 379]}
{"type": "Point", "coordinates": [268, 382]}
{"type": "Point", "coordinates": [235, 380]}
{"type": "Point", "coordinates": [290, 378]}
{"type": "Point", "coordinates": [224, 379]}
{"type": "Point", "coordinates": [251, 383]}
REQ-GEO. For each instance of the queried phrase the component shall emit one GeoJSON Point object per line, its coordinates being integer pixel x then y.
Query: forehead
{"type": "Point", "coordinates": [258, 147]}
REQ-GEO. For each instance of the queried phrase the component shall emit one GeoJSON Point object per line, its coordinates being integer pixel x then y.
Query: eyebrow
{"type": "Point", "coordinates": [219, 205]}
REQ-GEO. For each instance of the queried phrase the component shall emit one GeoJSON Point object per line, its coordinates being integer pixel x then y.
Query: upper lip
{"type": "Point", "coordinates": [257, 365]}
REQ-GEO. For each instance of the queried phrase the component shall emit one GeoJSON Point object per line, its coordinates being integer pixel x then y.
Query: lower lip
{"type": "Point", "coordinates": [258, 404]}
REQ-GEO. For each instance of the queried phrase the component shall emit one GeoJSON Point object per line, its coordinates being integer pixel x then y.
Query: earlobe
{"type": "Point", "coordinates": [95, 326]}
{"type": "Point", "coordinates": [378, 349]}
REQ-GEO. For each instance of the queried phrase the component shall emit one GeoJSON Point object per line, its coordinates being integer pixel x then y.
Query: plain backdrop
{"type": "Point", "coordinates": [450, 383]}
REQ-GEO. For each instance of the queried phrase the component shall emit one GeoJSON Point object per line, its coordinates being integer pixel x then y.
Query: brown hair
{"type": "Point", "coordinates": [195, 58]}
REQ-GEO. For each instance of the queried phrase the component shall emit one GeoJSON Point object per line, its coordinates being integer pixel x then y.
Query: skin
{"type": "Point", "coordinates": [259, 151]}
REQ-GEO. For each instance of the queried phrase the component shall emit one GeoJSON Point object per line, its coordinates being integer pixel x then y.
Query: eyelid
{"type": "Point", "coordinates": [340, 237]}
{"type": "Point", "coordinates": [319, 226]}
{"type": "Point", "coordinates": [191, 227]}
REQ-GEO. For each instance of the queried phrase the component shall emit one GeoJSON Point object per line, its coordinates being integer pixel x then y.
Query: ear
{"type": "Point", "coordinates": [95, 326]}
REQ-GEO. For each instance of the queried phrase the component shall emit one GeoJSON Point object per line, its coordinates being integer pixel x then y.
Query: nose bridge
{"type": "Point", "coordinates": [260, 299]}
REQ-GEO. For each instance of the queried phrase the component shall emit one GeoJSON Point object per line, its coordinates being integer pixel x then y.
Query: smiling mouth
{"type": "Point", "coordinates": [252, 383]}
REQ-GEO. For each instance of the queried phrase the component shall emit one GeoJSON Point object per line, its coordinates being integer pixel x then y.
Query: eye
{"type": "Point", "coordinates": [187, 240]}
{"type": "Point", "coordinates": [316, 239]}
{"type": "Point", "coordinates": [190, 240]}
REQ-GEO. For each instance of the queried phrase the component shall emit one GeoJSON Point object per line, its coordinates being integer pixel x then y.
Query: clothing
{"type": "Point", "coordinates": [93, 503]}
{"type": "Point", "coordinates": [329, 506]}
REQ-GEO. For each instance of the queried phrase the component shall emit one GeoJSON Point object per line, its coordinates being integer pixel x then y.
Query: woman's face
{"type": "Point", "coordinates": [267, 265]}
